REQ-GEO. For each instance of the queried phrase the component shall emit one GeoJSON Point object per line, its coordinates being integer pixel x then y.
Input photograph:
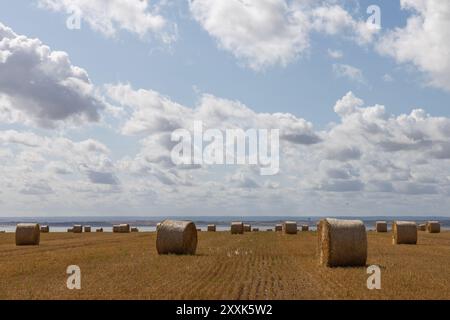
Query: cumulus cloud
{"type": "Point", "coordinates": [140, 17]}
{"type": "Point", "coordinates": [150, 112]}
{"type": "Point", "coordinates": [39, 188]}
{"type": "Point", "coordinates": [335, 54]}
{"type": "Point", "coordinates": [396, 154]}
{"type": "Point", "coordinates": [368, 152]}
{"type": "Point", "coordinates": [41, 86]}
{"type": "Point", "coordinates": [345, 153]}
{"type": "Point", "coordinates": [348, 104]}
{"type": "Point", "coordinates": [366, 156]}
{"type": "Point", "coordinates": [243, 180]}
{"type": "Point", "coordinates": [333, 19]}
{"type": "Point", "coordinates": [417, 188]}
{"type": "Point", "coordinates": [441, 151]}
{"type": "Point", "coordinates": [350, 72]}
{"type": "Point", "coordinates": [41, 157]}
{"type": "Point", "coordinates": [338, 173]}
{"type": "Point", "coordinates": [259, 32]}
{"type": "Point", "coordinates": [263, 33]}
{"type": "Point", "coordinates": [424, 41]}
{"type": "Point", "coordinates": [59, 168]}
{"type": "Point", "coordinates": [342, 186]}
{"type": "Point", "coordinates": [154, 117]}
{"type": "Point", "coordinates": [102, 177]}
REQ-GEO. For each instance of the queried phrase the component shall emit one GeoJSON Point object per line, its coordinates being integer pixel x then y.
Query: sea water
{"type": "Point", "coordinates": [148, 224]}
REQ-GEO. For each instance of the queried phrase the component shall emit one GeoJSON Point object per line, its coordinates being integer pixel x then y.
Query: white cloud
{"type": "Point", "coordinates": [140, 17]}
{"type": "Point", "coordinates": [343, 153]}
{"type": "Point", "coordinates": [264, 33]}
{"type": "Point", "coordinates": [261, 33]}
{"type": "Point", "coordinates": [334, 19]}
{"type": "Point", "coordinates": [369, 152]}
{"type": "Point", "coordinates": [39, 188]}
{"type": "Point", "coordinates": [59, 167]}
{"type": "Point", "coordinates": [242, 180]}
{"type": "Point", "coordinates": [155, 116]}
{"type": "Point", "coordinates": [388, 78]}
{"type": "Point", "coordinates": [102, 177]}
{"type": "Point", "coordinates": [368, 158]}
{"type": "Point", "coordinates": [335, 54]}
{"type": "Point", "coordinates": [38, 85]}
{"type": "Point", "coordinates": [342, 186]}
{"type": "Point", "coordinates": [152, 113]}
{"type": "Point", "coordinates": [349, 72]}
{"type": "Point", "coordinates": [424, 41]}
{"type": "Point", "coordinates": [348, 104]}
{"type": "Point", "coordinates": [53, 174]}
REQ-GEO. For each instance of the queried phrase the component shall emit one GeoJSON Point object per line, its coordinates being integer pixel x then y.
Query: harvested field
{"type": "Point", "coordinates": [259, 265]}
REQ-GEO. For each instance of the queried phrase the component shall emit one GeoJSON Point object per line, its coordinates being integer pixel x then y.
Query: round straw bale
{"type": "Point", "coordinates": [278, 227]}
{"type": "Point", "coordinates": [255, 229]}
{"type": "Point", "coordinates": [290, 227]}
{"type": "Point", "coordinates": [124, 228]}
{"type": "Point", "coordinates": [177, 237]}
{"type": "Point", "coordinates": [404, 232]}
{"type": "Point", "coordinates": [121, 228]}
{"type": "Point", "coordinates": [342, 243]}
{"type": "Point", "coordinates": [237, 227]}
{"type": "Point", "coordinates": [422, 227]}
{"type": "Point", "coordinates": [269, 230]}
{"type": "Point", "coordinates": [28, 234]}
{"type": "Point", "coordinates": [134, 229]}
{"type": "Point", "coordinates": [77, 228]}
{"type": "Point", "coordinates": [69, 229]}
{"type": "Point", "coordinates": [211, 227]}
{"type": "Point", "coordinates": [247, 228]}
{"type": "Point", "coordinates": [99, 230]}
{"type": "Point", "coordinates": [87, 229]}
{"type": "Point", "coordinates": [433, 227]}
{"type": "Point", "coordinates": [381, 226]}
{"type": "Point", "coordinates": [45, 229]}
{"type": "Point", "coordinates": [305, 227]}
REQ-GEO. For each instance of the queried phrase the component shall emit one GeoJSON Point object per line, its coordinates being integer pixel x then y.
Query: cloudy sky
{"type": "Point", "coordinates": [86, 115]}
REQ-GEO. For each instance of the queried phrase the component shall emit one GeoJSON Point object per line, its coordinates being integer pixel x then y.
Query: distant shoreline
{"type": "Point", "coordinates": [60, 224]}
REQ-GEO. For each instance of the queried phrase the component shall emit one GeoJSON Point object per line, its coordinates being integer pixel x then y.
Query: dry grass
{"type": "Point", "coordinates": [260, 265]}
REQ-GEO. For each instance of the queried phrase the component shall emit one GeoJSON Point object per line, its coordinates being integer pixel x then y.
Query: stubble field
{"type": "Point", "coordinates": [259, 265]}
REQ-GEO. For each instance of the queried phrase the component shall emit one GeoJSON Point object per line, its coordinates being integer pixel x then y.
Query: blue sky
{"type": "Point", "coordinates": [199, 62]}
